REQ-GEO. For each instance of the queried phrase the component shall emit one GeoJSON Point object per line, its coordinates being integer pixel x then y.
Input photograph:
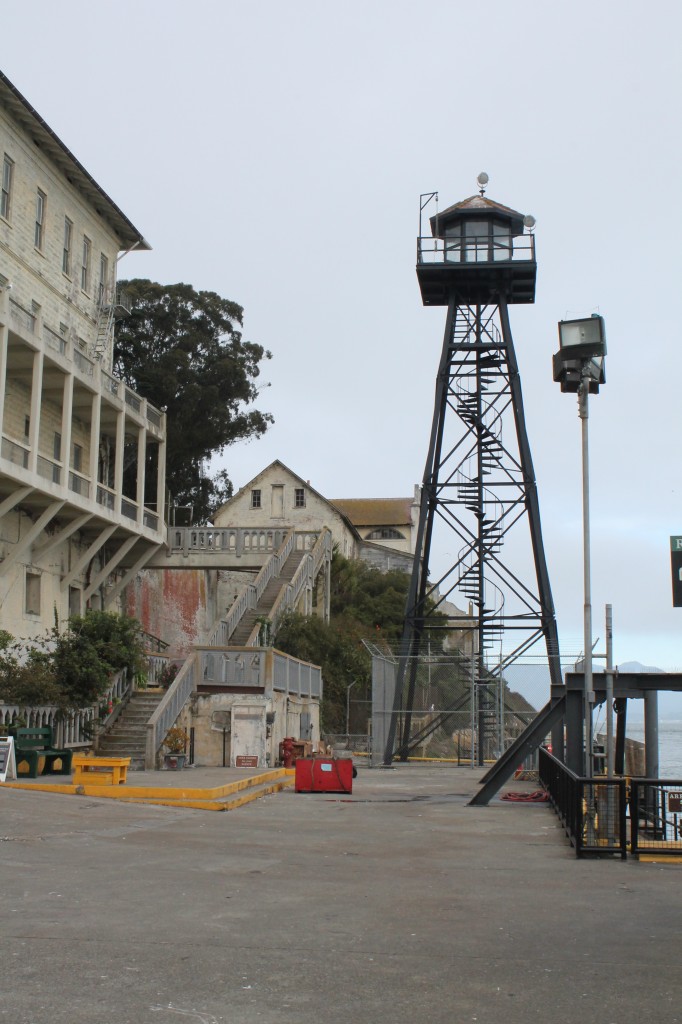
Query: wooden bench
{"type": "Point", "coordinates": [100, 771]}
{"type": "Point", "coordinates": [31, 744]}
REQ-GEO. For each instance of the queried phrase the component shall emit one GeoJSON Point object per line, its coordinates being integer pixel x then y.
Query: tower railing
{"type": "Point", "coordinates": [475, 250]}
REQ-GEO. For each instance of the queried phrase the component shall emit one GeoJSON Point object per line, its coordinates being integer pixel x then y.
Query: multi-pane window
{"type": "Point", "coordinates": [39, 235]}
{"type": "Point", "coordinates": [103, 278]}
{"type": "Point", "coordinates": [299, 497]}
{"type": "Point", "coordinates": [66, 255]}
{"type": "Point", "coordinates": [77, 457]}
{"type": "Point", "coordinates": [255, 499]}
{"type": "Point", "coordinates": [6, 193]}
{"type": "Point", "coordinates": [85, 265]}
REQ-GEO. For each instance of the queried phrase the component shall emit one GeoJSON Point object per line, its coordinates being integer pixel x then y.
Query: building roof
{"type": "Point", "coordinates": [376, 511]}
{"type": "Point", "coordinates": [479, 204]}
{"type": "Point", "coordinates": [49, 143]}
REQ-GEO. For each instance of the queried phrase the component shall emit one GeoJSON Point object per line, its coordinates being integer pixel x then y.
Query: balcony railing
{"type": "Point", "coordinates": [133, 400]}
{"type": "Point", "coordinates": [106, 497]}
{"type": "Point", "coordinates": [49, 470]}
{"type": "Point", "coordinates": [79, 484]}
{"type": "Point", "coordinates": [84, 364]}
{"type": "Point", "coordinates": [14, 452]}
{"type": "Point", "coordinates": [54, 341]}
{"type": "Point", "coordinates": [503, 249]}
{"type": "Point", "coordinates": [128, 508]}
{"type": "Point", "coordinates": [22, 317]}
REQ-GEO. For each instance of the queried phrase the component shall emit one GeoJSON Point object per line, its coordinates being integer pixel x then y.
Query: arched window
{"type": "Point", "coordinates": [385, 533]}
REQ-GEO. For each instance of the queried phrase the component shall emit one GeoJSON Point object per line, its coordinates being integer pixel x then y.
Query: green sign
{"type": "Point", "coordinates": [676, 543]}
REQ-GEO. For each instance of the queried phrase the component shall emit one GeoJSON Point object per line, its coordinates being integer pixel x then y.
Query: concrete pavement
{"type": "Point", "coordinates": [399, 902]}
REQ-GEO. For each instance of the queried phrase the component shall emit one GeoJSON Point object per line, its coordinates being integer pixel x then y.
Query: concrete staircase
{"type": "Point", "coordinates": [262, 611]}
{"type": "Point", "coordinates": [128, 737]}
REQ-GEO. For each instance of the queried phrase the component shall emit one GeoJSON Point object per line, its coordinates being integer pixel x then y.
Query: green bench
{"type": "Point", "coordinates": [32, 744]}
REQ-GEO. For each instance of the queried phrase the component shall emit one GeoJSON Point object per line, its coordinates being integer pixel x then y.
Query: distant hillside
{"type": "Point", "coordinates": [532, 681]}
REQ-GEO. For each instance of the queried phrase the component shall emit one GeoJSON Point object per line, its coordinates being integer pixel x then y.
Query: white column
{"type": "Point", "coordinates": [36, 398]}
{"type": "Point", "coordinates": [118, 462]}
{"type": "Point", "coordinates": [4, 338]}
{"type": "Point", "coordinates": [141, 469]}
{"type": "Point", "coordinates": [94, 443]}
{"type": "Point", "coordinates": [161, 478]}
{"type": "Point", "coordinates": [67, 420]}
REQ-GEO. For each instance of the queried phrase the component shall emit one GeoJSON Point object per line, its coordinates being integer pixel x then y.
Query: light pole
{"type": "Point", "coordinates": [348, 689]}
{"type": "Point", "coordinates": [579, 367]}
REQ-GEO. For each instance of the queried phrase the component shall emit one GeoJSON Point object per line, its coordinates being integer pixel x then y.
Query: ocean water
{"type": "Point", "coordinates": [669, 745]}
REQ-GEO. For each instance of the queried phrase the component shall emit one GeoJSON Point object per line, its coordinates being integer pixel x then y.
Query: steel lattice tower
{"type": "Point", "coordinates": [478, 479]}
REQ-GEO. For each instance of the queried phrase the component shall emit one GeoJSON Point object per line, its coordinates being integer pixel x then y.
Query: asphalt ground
{"type": "Point", "coordinates": [397, 903]}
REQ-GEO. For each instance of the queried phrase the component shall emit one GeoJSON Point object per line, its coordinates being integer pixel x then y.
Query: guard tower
{"type": "Point", "coordinates": [478, 482]}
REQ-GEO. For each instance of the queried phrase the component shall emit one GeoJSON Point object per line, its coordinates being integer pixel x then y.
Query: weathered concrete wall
{"type": "Point", "coordinates": [208, 733]}
{"type": "Point", "coordinates": [31, 591]}
{"type": "Point", "coordinates": [177, 605]}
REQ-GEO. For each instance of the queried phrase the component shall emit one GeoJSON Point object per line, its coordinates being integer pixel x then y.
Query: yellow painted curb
{"type": "Point", "coordinates": [212, 799]}
{"type": "Point", "coordinates": [210, 805]}
{"type": "Point", "coordinates": [652, 858]}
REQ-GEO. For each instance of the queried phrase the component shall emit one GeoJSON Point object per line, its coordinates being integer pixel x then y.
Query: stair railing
{"type": "Point", "coordinates": [170, 706]}
{"type": "Point", "coordinates": [305, 576]}
{"type": "Point", "coordinates": [273, 566]}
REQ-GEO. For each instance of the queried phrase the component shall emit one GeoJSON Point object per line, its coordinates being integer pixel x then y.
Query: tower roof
{"type": "Point", "coordinates": [479, 206]}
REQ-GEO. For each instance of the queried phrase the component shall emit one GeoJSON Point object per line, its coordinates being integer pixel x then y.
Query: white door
{"type": "Point", "coordinates": [278, 502]}
{"type": "Point", "coordinates": [248, 737]}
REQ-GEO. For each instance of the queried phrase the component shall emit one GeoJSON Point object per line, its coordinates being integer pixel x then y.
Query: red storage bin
{"type": "Point", "coordinates": [324, 775]}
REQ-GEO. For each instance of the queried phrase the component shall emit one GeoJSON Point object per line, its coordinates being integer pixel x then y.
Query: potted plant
{"type": "Point", "coordinates": [167, 674]}
{"type": "Point", "coordinates": [175, 745]}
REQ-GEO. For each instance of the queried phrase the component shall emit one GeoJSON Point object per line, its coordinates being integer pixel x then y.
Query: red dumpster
{"type": "Point", "coordinates": [324, 775]}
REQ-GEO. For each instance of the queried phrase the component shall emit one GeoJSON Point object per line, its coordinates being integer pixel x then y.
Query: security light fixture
{"type": "Point", "coordinates": [579, 339]}
{"type": "Point", "coordinates": [582, 347]}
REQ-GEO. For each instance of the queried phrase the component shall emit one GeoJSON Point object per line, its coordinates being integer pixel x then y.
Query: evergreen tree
{"type": "Point", "coordinates": [182, 350]}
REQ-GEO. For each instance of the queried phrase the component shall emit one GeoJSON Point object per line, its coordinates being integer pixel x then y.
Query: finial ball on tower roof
{"type": "Point", "coordinates": [482, 180]}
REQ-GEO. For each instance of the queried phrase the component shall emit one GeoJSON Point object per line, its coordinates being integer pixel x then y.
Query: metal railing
{"type": "Point", "coordinates": [473, 250]}
{"type": "Point", "coordinates": [592, 811]}
{"type": "Point", "coordinates": [656, 817]}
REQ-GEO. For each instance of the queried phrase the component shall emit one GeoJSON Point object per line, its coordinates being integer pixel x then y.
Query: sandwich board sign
{"type": "Point", "coordinates": [676, 565]}
{"type": "Point", "coordinates": [8, 764]}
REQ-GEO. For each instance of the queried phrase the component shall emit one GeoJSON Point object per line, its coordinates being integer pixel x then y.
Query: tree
{"type": "Point", "coordinates": [182, 350]}
{"type": "Point", "coordinates": [364, 603]}
{"type": "Point", "coordinates": [70, 667]}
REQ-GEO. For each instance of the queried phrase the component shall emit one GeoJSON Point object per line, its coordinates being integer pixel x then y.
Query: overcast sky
{"type": "Point", "coordinates": [274, 152]}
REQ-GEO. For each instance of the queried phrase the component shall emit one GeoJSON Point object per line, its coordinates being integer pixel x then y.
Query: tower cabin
{"type": "Point", "coordinates": [479, 254]}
